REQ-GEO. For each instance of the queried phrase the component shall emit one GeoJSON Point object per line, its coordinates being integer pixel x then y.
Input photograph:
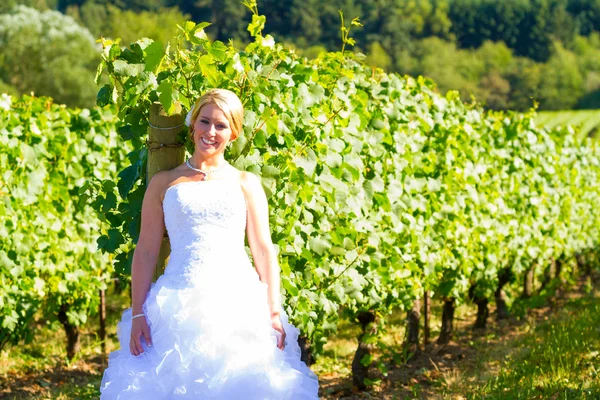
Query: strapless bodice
{"type": "Point", "coordinates": [206, 222]}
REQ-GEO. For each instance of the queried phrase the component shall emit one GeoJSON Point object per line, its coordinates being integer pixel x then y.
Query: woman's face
{"type": "Point", "coordinates": [211, 130]}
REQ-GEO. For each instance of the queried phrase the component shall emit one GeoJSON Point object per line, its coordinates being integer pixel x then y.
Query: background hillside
{"type": "Point", "coordinates": [505, 53]}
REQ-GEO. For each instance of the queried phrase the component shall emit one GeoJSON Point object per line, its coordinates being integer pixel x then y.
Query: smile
{"type": "Point", "coordinates": [207, 142]}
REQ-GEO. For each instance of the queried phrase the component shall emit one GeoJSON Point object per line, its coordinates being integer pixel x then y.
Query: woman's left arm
{"type": "Point", "coordinates": [261, 246]}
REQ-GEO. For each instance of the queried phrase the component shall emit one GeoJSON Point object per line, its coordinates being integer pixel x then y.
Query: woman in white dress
{"type": "Point", "coordinates": [212, 326]}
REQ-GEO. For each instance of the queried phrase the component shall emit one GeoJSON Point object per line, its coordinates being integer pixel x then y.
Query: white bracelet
{"type": "Point", "coordinates": [137, 316]}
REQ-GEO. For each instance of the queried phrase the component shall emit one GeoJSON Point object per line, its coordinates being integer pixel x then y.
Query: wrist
{"type": "Point", "coordinates": [140, 315]}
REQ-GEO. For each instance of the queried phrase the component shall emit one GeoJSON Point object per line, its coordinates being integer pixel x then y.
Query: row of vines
{"type": "Point", "coordinates": [380, 188]}
{"type": "Point", "coordinates": [586, 121]}
{"type": "Point", "coordinates": [50, 267]}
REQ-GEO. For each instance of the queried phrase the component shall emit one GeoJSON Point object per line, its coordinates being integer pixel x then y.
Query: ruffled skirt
{"type": "Point", "coordinates": [210, 341]}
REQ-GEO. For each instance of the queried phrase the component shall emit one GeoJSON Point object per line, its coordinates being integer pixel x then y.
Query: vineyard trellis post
{"type": "Point", "coordinates": [102, 318]}
{"type": "Point", "coordinates": [166, 151]}
{"type": "Point", "coordinates": [426, 311]}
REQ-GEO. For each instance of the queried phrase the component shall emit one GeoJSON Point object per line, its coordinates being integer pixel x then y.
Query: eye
{"type": "Point", "coordinates": [204, 121]}
{"type": "Point", "coordinates": [221, 126]}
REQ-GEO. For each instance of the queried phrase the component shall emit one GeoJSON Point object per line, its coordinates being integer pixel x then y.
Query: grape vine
{"type": "Point", "coordinates": [49, 263]}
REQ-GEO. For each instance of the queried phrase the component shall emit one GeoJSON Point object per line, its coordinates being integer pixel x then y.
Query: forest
{"type": "Point", "coordinates": [512, 54]}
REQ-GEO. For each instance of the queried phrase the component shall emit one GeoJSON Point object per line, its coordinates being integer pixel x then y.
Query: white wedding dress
{"type": "Point", "coordinates": [208, 314]}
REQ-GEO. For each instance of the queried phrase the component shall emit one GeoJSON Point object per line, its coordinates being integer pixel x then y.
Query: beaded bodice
{"type": "Point", "coordinates": [206, 223]}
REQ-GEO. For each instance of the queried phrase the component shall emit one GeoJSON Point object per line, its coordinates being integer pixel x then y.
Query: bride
{"type": "Point", "coordinates": [212, 326]}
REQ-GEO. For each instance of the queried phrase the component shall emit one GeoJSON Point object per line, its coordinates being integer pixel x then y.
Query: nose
{"type": "Point", "coordinates": [212, 129]}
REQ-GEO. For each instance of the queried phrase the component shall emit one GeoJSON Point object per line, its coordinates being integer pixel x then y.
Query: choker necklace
{"type": "Point", "coordinates": [209, 171]}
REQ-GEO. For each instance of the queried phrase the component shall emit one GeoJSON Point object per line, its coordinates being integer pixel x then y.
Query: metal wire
{"type": "Point", "coordinates": [154, 146]}
{"type": "Point", "coordinates": [165, 129]}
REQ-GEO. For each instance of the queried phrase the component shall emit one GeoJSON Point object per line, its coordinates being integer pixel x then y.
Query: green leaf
{"type": "Point", "coordinates": [124, 69]}
{"type": "Point", "coordinates": [104, 96]}
{"type": "Point", "coordinates": [269, 171]}
{"type": "Point", "coordinates": [308, 162]}
{"type": "Point", "coordinates": [135, 53]}
{"type": "Point", "coordinates": [154, 56]}
{"type": "Point", "coordinates": [127, 178]}
{"type": "Point", "coordinates": [114, 52]}
{"type": "Point", "coordinates": [218, 51]}
{"type": "Point", "coordinates": [257, 25]}
{"type": "Point", "coordinates": [209, 71]}
{"type": "Point", "coordinates": [319, 245]}
{"type": "Point", "coordinates": [167, 96]}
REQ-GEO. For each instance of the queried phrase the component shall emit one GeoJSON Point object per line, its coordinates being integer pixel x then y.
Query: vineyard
{"type": "Point", "coordinates": [48, 253]}
{"type": "Point", "coordinates": [586, 121]}
{"type": "Point", "coordinates": [384, 194]}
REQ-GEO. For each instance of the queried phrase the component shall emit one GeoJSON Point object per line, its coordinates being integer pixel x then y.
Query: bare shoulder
{"type": "Point", "coordinates": [250, 183]}
{"type": "Point", "coordinates": [249, 178]}
{"type": "Point", "coordinates": [252, 188]}
{"type": "Point", "coordinates": [158, 181]}
{"type": "Point", "coordinates": [162, 180]}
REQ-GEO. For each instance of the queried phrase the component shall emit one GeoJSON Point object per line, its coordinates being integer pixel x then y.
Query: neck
{"type": "Point", "coordinates": [205, 163]}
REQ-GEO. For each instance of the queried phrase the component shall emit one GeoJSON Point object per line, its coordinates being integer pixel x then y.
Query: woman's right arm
{"type": "Point", "coordinates": [144, 260]}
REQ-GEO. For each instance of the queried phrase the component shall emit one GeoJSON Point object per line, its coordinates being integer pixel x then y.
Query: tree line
{"type": "Point", "coordinates": [507, 54]}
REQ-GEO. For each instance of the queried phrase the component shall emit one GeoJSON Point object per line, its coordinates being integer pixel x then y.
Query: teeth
{"type": "Point", "coordinates": [207, 142]}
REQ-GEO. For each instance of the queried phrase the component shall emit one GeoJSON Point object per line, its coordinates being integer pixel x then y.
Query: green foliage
{"type": "Point", "coordinates": [449, 67]}
{"type": "Point", "coordinates": [587, 122]}
{"type": "Point", "coordinates": [49, 54]}
{"type": "Point", "coordinates": [587, 52]}
{"type": "Point", "coordinates": [561, 83]}
{"type": "Point", "coordinates": [111, 22]}
{"type": "Point", "coordinates": [586, 14]}
{"type": "Point", "coordinates": [41, 5]}
{"type": "Point", "coordinates": [379, 187]}
{"type": "Point", "coordinates": [378, 57]}
{"type": "Point", "coordinates": [522, 24]}
{"type": "Point", "coordinates": [7, 89]}
{"type": "Point", "coordinates": [229, 18]}
{"type": "Point", "coordinates": [542, 36]}
{"type": "Point", "coordinates": [48, 254]}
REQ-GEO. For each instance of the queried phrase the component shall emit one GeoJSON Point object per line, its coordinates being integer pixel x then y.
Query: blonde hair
{"type": "Point", "coordinates": [228, 102]}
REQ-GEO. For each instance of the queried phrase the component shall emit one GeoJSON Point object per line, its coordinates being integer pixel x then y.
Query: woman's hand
{"type": "Point", "coordinates": [276, 324]}
{"type": "Point", "coordinates": [139, 328]}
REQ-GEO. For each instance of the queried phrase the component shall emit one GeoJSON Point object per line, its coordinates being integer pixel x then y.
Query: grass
{"type": "Point", "coordinates": [551, 353]}
{"type": "Point", "coordinates": [41, 370]}
{"type": "Point", "coordinates": [558, 358]}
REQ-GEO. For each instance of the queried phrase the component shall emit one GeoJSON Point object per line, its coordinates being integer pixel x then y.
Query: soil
{"type": "Point", "coordinates": [40, 383]}
{"type": "Point", "coordinates": [423, 376]}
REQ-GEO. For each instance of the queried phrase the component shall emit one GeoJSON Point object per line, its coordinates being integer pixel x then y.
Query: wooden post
{"type": "Point", "coordinates": [426, 312]}
{"type": "Point", "coordinates": [166, 139]}
{"type": "Point", "coordinates": [102, 312]}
